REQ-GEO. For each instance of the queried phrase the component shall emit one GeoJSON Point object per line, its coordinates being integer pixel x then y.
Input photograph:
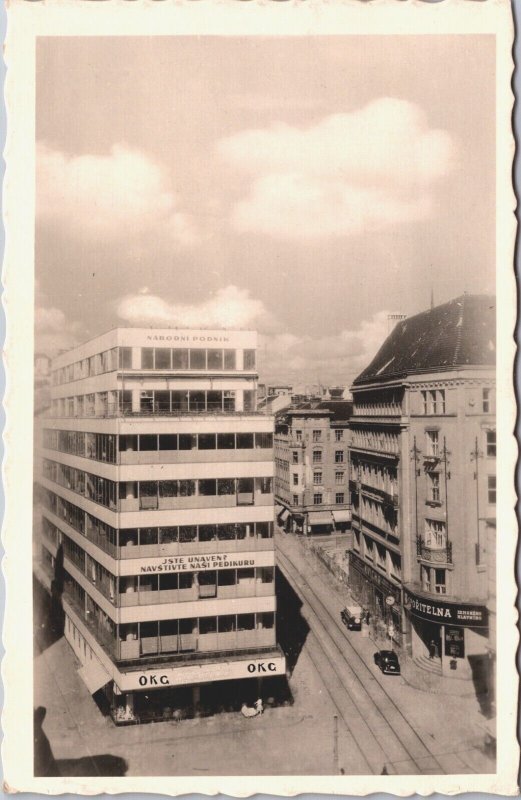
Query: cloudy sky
{"type": "Point", "coordinates": [304, 187]}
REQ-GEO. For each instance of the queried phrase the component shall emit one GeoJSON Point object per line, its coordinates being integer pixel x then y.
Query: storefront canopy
{"type": "Point", "coordinates": [320, 518]}
{"type": "Point", "coordinates": [342, 515]}
{"type": "Point", "coordinates": [278, 509]}
{"type": "Point", "coordinates": [94, 675]}
{"type": "Point", "coordinates": [284, 515]}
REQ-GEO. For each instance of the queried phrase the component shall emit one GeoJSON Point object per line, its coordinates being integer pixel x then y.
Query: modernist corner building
{"type": "Point", "coordinates": [423, 488]}
{"type": "Point", "coordinates": [157, 494]}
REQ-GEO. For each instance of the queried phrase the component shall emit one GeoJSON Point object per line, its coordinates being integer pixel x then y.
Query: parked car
{"type": "Point", "coordinates": [352, 618]}
{"type": "Point", "coordinates": [388, 662]}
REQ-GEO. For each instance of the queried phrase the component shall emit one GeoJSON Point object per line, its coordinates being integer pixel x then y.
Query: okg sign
{"type": "Point", "coordinates": [254, 668]}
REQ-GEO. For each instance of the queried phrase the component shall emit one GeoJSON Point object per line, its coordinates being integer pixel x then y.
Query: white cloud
{"type": "Point", "coordinates": [230, 307]}
{"type": "Point", "coordinates": [349, 172]}
{"type": "Point", "coordinates": [337, 358]}
{"type": "Point", "coordinates": [115, 196]}
{"type": "Point", "coordinates": [53, 331]}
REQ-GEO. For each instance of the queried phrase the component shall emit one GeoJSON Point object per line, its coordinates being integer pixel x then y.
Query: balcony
{"type": "Point", "coordinates": [433, 555]}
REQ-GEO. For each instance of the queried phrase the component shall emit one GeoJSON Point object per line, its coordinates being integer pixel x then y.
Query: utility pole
{"type": "Point", "coordinates": [335, 744]}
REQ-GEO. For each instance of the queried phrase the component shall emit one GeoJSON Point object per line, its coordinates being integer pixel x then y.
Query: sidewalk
{"type": "Point", "coordinates": [291, 740]}
{"type": "Point", "coordinates": [450, 725]}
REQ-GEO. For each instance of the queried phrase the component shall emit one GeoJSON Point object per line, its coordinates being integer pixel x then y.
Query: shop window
{"type": "Point", "coordinates": [491, 489]}
{"type": "Point", "coordinates": [244, 441]}
{"type": "Point", "coordinates": [186, 488]}
{"type": "Point", "coordinates": [245, 491]}
{"type": "Point", "coordinates": [126, 442]}
{"type": "Point", "coordinates": [168, 535]}
{"type": "Point", "coordinates": [227, 577]}
{"type": "Point", "coordinates": [207, 487]}
{"type": "Point", "coordinates": [180, 401]}
{"type": "Point", "coordinates": [339, 497]}
{"type": "Point", "coordinates": [148, 442]}
{"type": "Point", "coordinates": [264, 440]}
{"type": "Point", "coordinates": [227, 623]}
{"type": "Point", "coordinates": [198, 359]}
{"type": "Point", "coordinates": [245, 622]}
{"type": "Point", "coordinates": [230, 360]}
{"type": "Point", "coordinates": [197, 401]}
{"type": "Point", "coordinates": [187, 533]}
{"type": "Point", "coordinates": [162, 358]}
{"type": "Point", "coordinates": [167, 441]}
{"type": "Point", "coordinates": [249, 359]}
{"type": "Point", "coordinates": [207, 533]}
{"type": "Point", "coordinates": [125, 401]}
{"type": "Point", "coordinates": [207, 441]}
{"type": "Point", "coordinates": [226, 486]}
{"type": "Point", "coordinates": [225, 441]}
{"type": "Point", "coordinates": [207, 625]}
{"type": "Point", "coordinates": [168, 582]}
{"type": "Point", "coordinates": [491, 444]}
{"type": "Point", "coordinates": [168, 489]}
{"type": "Point", "coordinates": [179, 359]}
{"type": "Point", "coordinates": [317, 499]}
{"type": "Point", "coordinates": [215, 359]}
{"type": "Point", "coordinates": [317, 477]}
{"type": "Point", "coordinates": [148, 536]}
{"type": "Point", "coordinates": [214, 401]}
{"type": "Point", "coordinates": [161, 401]}
{"type": "Point", "coordinates": [263, 485]}
{"type": "Point", "coordinates": [147, 358]}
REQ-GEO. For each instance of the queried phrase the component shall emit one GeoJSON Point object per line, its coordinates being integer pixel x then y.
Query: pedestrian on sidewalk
{"type": "Point", "coordinates": [432, 649]}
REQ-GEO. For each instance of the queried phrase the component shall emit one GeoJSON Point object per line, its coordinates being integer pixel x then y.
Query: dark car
{"type": "Point", "coordinates": [352, 618]}
{"type": "Point", "coordinates": [388, 662]}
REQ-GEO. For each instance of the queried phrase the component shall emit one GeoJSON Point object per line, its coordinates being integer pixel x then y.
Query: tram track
{"type": "Point", "coordinates": [379, 720]}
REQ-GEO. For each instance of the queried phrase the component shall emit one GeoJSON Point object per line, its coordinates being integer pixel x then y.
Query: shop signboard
{"type": "Point", "coordinates": [187, 674]}
{"type": "Point", "coordinates": [445, 612]}
{"type": "Point", "coordinates": [196, 562]}
{"type": "Point", "coordinates": [455, 642]}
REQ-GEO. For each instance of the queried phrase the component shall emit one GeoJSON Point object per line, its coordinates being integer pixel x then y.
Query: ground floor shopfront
{"type": "Point", "coordinates": [379, 597]}
{"type": "Point", "coordinates": [451, 634]}
{"type": "Point", "coordinates": [314, 523]}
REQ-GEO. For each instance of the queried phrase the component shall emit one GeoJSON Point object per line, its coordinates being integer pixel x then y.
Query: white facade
{"type": "Point", "coordinates": [157, 484]}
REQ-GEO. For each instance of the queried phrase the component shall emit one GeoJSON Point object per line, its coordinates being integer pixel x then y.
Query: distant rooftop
{"type": "Point", "coordinates": [456, 334]}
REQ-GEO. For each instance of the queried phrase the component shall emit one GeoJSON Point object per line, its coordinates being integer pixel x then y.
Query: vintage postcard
{"type": "Point", "coordinates": [260, 297]}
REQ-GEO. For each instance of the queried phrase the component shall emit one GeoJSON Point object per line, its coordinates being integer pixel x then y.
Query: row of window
{"type": "Point", "coordinates": [153, 401]}
{"type": "Point", "coordinates": [380, 441]}
{"type": "Point", "coordinates": [432, 441]}
{"type": "Point", "coordinates": [375, 553]}
{"type": "Point", "coordinates": [316, 437]}
{"type": "Point", "coordinates": [105, 447]}
{"type": "Point", "coordinates": [109, 538]}
{"type": "Point", "coordinates": [318, 498]}
{"type": "Point", "coordinates": [107, 493]}
{"type": "Point", "coordinates": [378, 403]}
{"type": "Point", "coordinates": [153, 358]}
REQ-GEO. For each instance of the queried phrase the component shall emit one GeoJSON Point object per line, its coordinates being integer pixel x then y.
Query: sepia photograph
{"type": "Point", "coordinates": [264, 415]}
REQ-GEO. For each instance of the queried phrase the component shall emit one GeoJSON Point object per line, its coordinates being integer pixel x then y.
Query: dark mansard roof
{"type": "Point", "coordinates": [456, 334]}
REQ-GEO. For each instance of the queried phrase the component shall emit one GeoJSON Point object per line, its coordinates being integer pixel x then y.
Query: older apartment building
{"type": "Point", "coordinates": [158, 501]}
{"type": "Point", "coordinates": [311, 462]}
{"type": "Point", "coordinates": [423, 486]}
